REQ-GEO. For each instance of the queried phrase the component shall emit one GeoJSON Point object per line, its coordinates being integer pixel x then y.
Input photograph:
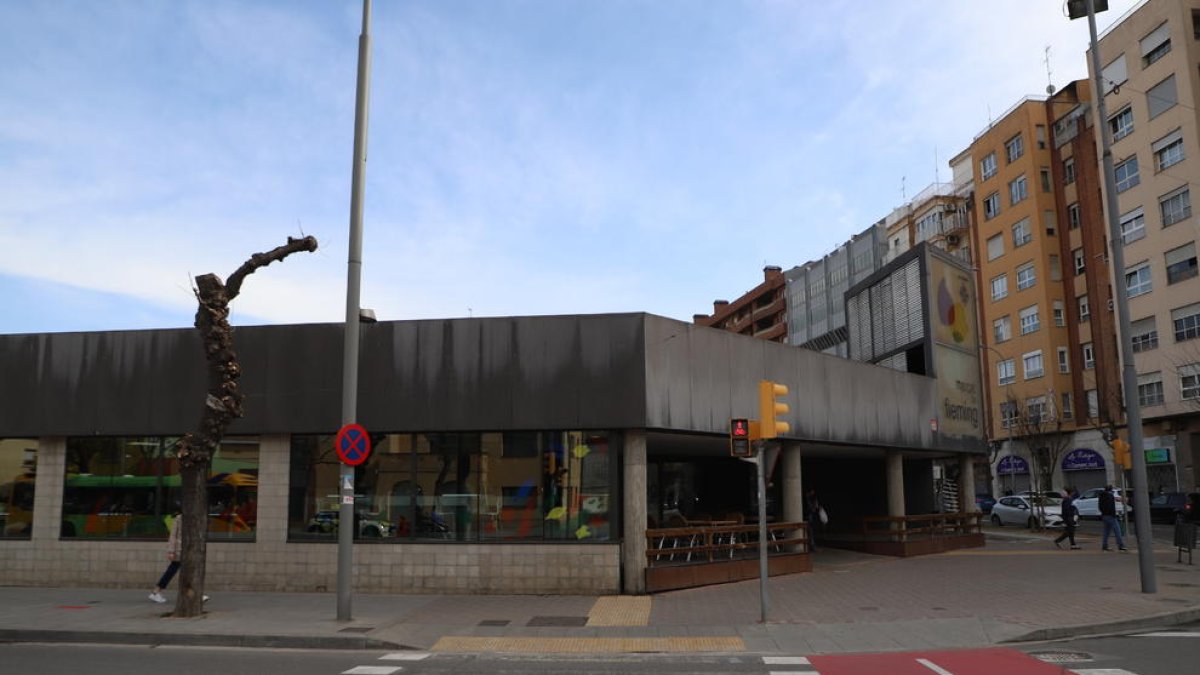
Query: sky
{"type": "Point", "coordinates": [525, 157]}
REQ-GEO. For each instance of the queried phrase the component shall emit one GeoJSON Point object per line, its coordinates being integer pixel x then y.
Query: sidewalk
{"type": "Point", "coordinates": [1017, 588]}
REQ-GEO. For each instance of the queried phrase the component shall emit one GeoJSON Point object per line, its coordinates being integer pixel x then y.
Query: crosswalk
{"type": "Point", "coordinates": [387, 670]}
{"type": "Point", "coordinates": [900, 663]}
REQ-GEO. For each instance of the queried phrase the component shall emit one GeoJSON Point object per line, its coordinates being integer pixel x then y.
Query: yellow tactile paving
{"type": "Point", "coordinates": [620, 610]}
{"type": "Point", "coordinates": [567, 645]}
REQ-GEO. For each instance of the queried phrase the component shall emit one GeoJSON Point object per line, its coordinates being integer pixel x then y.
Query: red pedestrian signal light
{"type": "Point", "coordinates": [739, 437]}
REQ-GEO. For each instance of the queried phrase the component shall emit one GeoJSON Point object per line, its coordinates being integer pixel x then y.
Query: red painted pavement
{"type": "Point", "coordinates": [995, 661]}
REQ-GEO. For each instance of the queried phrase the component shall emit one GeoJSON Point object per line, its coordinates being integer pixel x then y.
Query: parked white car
{"type": "Point", "coordinates": [1020, 510]}
{"type": "Point", "coordinates": [1088, 503]}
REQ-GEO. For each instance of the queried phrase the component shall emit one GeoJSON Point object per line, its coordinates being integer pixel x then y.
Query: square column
{"type": "Point", "coordinates": [633, 491]}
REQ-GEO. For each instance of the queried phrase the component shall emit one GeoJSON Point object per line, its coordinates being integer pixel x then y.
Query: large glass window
{"type": "Point", "coordinates": [129, 488]}
{"type": "Point", "coordinates": [1121, 124]}
{"type": "Point", "coordinates": [1175, 206]}
{"type": "Point", "coordinates": [18, 467]}
{"type": "Point", "coordinates": [1133, 226]}
{"type": "Point", "coordinates": [1162, 97]}
{"type": "Point", "coordinates": [460, 487]}
{"type": "Point", "coordinates": [987, 166]}
{"type": "Point", "coordinates": [1126, 174]}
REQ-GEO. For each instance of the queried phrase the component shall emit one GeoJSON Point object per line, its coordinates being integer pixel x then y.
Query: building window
{"type": "Point", "coordinates": [1008, 414]}
{"type": "Point", "coordinates": [1068, 170]}
{"type": "Point", "coordinates": [1033, 364]}
{"type": "Point", "coordinates": [1175, 206]}
{"type": "Point", "coordinates": [1018, 190]}
{"type": "Point", "coordinates": [1189, 381]}
{"type": "Point", "coordinates": [1156, 45]}
{"type": "Point", "coordinates": [1121, 124]}
{"type": "Point", "coordinates": [1002, 329]}
{"type": "Point", "coordinates": [1168, 150]}
{"type": "Point", "coordinates": [1144, 334]}
{"type": "Point", "coordinates": [1006, 372]}
{"type": "Point", "coordinates": [1064, 363]}
{"type": "Point", "coordinates": [1050, 219]}
{"type": "Point", "coordinates": [1127, 174]}
{"type": "Point", "coordinates": [1181, 263]}
{"type": "Point", "coordinates": [1114, 74]}
{"type": "Point", "coordinates": [1149, 389]}
{"type": "Point", "coordinates": [1138, 281]}
{"type": "Point", "coordinates": [991, 206]}
{"type": "Point", "coordinates": [1080, 261]}
{"type": "Point", "coordinates": [127, 488]}
{"type": "Point", "coordinates": [461, 487]}
{"type": "Point", "coordinates": [1029, 320]}
{"type": "Point", "coordinates": [1035, 408]}
{"type": "Point", "coordinates": [1161, 97]}
{"type": "Point", "coordinates": [995, 246]}
{"type": "Point", "coordinates": [1060, 318]}
{"type": "Point", "coordinates": [1014, 148]}
{"type": "Point", "coordinates": [1089, 356]}
{"type": "Point", "coordinates": [987, 166]}
{"type": "Point", "coordinates": [1026, 276]}
{"type": "Point", "coordinates": [1093, 404]}
{"type": "Point", "coordinates": [1067, 412]}
{"type": "Point", "coordinates": [1055, 268]}
{"type": "Point", "coordinates": [1000, 287]}
{"type": "Point", "coordinates": [1186, 322]}
{"type": "Point", "coordinates": [18, 471]}
{"type": "Point", "coordinates": [1022, 234]}
{"type": "Point", "coordinates": [1085, 310]}
{"type": "Point", "coordinates": [1073, 217]}
{"type": "Point", "coordinates": [1133, 226]}
{"type": "Point", "coordinates": [1045, 173]}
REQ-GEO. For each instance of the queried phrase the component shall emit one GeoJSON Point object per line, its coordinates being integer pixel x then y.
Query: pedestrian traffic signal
{"type": "Point", "coordinates": [770, 409]}
{"type": "Point", "coordinates": [739, 437]}
{"type": "Point", "coordinates": [1121, 454]}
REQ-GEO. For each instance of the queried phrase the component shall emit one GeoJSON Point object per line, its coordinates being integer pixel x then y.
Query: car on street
{"type": "Point", "coordinates": [984, 503]}
{"type": "Point", "coordinates": [1025, 510]}
{"type": "Point", "coordinates": [1166, 506]}
{"type": "Point", "coordinates": [1088, 503]}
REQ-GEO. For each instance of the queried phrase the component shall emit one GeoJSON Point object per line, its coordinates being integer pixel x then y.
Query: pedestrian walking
{"type": "Point", "coordinates": [815, 516]}
{"type": "Point", "coordinates": [1069, 515]}
{"type": "Point", "coordinates": [1107, 502]}
{"type": "Point", "coordinates": [174, 555]}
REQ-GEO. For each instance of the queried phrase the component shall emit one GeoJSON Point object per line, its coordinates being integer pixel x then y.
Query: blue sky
{"type": "Point", "coordinates": [525, 157]}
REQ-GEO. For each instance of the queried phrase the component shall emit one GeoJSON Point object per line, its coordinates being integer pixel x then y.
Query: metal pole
{"type": "Point", "coordinates": [762, 531]}
{"type": "Point", "coordinates": [353, 286]}
{"type": "Point", "coordinates": [1133, 413]}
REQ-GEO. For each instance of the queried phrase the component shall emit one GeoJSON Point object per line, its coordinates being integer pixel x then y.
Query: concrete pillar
{"type": "Point", "coordinates": [966, 483]}
{"type": "Point", "coordinates": [633, 489]}
{"type": "Point", "coordinates": [48, 489]}
{"type": "Point", "coordinates": [793, 485]}
{"type": "Point", "coordinates": [895, 483]}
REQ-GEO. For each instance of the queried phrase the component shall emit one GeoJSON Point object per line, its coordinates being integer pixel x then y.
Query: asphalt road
{"type": "Point", "coordinates": [1171, 652]}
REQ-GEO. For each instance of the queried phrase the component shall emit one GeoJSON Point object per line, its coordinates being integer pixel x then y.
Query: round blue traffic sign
{"type": "Point", "coordinates": [352, 444]}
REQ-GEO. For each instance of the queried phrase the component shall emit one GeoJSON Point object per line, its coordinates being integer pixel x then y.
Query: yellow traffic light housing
{"type": "Point", "coordinates": [1121, 454]}
{"type": "Point", "coordinates": [770, 409]}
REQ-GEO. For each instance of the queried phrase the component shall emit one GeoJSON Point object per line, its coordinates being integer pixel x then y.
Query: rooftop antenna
{"type": "Point", "coordinates": [936, 175]}
{"type": "Point", "coordinates": [1049, 73]}
{"type": "Point", "coordinates": [903, 194]}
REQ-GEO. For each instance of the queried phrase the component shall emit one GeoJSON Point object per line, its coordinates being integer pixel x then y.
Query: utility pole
{"type": "Point", "coordinates": [1133, 413]}
{"type": "Point", "coordinates": [345, 548]}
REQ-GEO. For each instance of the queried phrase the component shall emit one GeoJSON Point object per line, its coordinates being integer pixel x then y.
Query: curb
{"type": "Point", "coordinates": [1189, 615]}
{"type": "Point", "coordinates": [196, 640]}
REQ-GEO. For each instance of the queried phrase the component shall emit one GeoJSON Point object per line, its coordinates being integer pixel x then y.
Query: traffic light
{"type": "Point", "coordinates": [770, 408]}
{"type": "Point", "coordinates": [1121, 453]}
{"type": "Point", "coordinates": [739, 437]}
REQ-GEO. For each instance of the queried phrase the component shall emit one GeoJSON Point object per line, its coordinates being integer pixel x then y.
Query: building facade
{"type": "Point", "coordinates": [761, 312]}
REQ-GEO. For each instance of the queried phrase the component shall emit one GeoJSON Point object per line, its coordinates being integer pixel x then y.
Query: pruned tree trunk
{"type": "Point", "coordinates": [222, 404]}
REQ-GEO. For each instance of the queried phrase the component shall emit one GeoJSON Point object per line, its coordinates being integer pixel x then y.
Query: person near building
{"type": "Point", "coordinates": [815, 516]}
{"type": "Point", "coordinates": [1107, 502]}
{"type": "Point", "coordinates": [174, 554]}
{"type": "Point", "coordinates": [1069, 515]}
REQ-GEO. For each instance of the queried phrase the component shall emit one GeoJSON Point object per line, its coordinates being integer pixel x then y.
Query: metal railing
{"type": "Point", "coordinates": [716, 543]}
{"type": "Point", "coordinates": [915, 528]}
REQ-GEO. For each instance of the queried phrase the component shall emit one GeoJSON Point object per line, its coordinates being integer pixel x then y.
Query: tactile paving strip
{"type": "Point", "coordinates": [620, 610]}
{"type": "Point", "coordinates": [561, 645]}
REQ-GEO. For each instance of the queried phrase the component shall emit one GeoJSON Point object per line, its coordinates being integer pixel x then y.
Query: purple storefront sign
{"type": "Point", "coordinates": [1011, 464]}
{"type": "Point", "coordinates": [1082, 459]}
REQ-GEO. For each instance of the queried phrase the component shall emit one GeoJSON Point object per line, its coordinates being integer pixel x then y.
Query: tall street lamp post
{"type": "Point", "coordinates": [1141, 511]}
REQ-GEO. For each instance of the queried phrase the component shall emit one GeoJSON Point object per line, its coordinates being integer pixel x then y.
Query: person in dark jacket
{"type": "Point", "coordinates": [1107, 502]}
{"type": "Point", "coordinates": [1068, 517]}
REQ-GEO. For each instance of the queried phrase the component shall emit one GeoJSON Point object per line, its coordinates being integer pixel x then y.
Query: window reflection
{"type": "Point", "coordinates": [18, 468]}
{"type": "Point", "coordinates": [459, 487]}
{"type": "Point", "coordinates": [129, 487]}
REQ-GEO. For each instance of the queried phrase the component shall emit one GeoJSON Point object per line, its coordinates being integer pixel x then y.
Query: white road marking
{"type": "Point", "coordinates": [404, 656]}
{"type": "Point", "coordinates": [934, 667]}
{"type": "Point", "coordinates": [785, 661]}
{"type": "Point", "coordinates": [1169, 634]}
{"type": "Point", "coordinates": [792, 672]}
{"type": "Point", "coordinates": [1103, 671]}
{"type": "Point", "coordinates": [372, 670]}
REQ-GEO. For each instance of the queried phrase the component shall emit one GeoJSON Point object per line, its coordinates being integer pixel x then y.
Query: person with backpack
{"type": "Point", "coordinates": [1069, 516]}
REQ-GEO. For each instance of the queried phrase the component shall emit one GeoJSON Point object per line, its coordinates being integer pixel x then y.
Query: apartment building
{"type": "Point", "coordinates": [761, 312]}
{"type": "Point", "coordinates": [1150, 83]}
{"type": "Point", "coordinates": [1025, 339]}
